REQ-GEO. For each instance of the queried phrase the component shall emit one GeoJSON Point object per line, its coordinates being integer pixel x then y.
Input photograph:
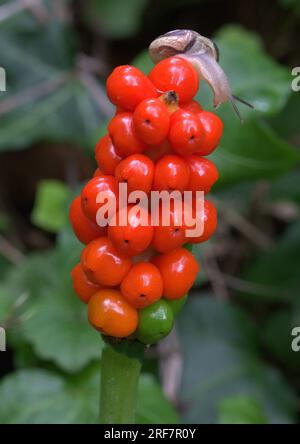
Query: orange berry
{"type": "Point", "coordinates": [171, 173]}
{"type": "Point", "coordinates": [82, 286]}
{"type": "Point", "coordinates": [110, 313]}
{"type": "Point", "coordinates": [106, 155]}
{"type": "Point", "coordinates": [179, 269]}
{"type": "Point", "coordinates": [103, 264]}
{"type": "Point", "coordinates": [84, 229]}
{"type": "Point", "coordinates": [142, 285]}
{"type": "Point", "coordinates": [137, 171]}
{"type": "Point", "coordinates": [133, 237]}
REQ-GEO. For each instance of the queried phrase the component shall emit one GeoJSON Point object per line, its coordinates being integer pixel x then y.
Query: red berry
{"type": "Point", "coordinates": [127, 86]}
{"type": "Point", "coordinates": [84, 229]}
{"type": "Point", "coordinates": [106, 155]}
{"type": "Point", "coordinates": [137, 171]}
{"type": "Point", "coordinates": [89, 194]}
{"type": "Point", "coordinates": [213, 127]}
{"type": "Point", "coordinates": [179, 269]}
{"type": "Point", "coordinates": [186, 134]}
{"type": "Point", "coordinates": [98, 173]}
{"type": "Point", "coordinates": [210, 221]}
{"type": "Point", "coordinates": [177, 74]}
{"type": "Point", "coordinates": [203, 173]}
{"type": "Point", "coordinates": [82, 286]}
{"type": "Point", "coordinates": [143, 285]}
{"type": "Point", "coordinates": [168, 237]}
{"type": "Point", "coordinates": [151, 121]}
{"type": "Point", "coordinates": [103, 264]}
{"type": "Point", "coordinates": [193, 106]}
{"type": "Point", "coordinates": [123, 134]}
{"type": "Point", "coordinates": [134, 235]}
{"type": "Point", "coordinates": [171, 173]}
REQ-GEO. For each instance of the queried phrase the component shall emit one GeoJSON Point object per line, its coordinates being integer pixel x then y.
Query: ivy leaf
{"type": "Point", "coordinates": [42, 397]}
{"type": "Point", "coordinates": [277, 269]}
{"type": "Point", "coordinates": [116, 18]}
{"type": "Point", "coordinates": [49, 212]}
{"type": "Point", "coordinates": [251, 151]}
{"type": "Point", "coordinates": [55, 321]}
{"type": "Point", "coordinates": [221, 360]}
{"type": "Point", "coordinates": [45, 97]}
{"type": "Point", "coordinates": [241, 410]}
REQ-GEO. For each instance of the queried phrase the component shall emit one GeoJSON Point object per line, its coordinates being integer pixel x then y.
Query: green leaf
{"type": "Point", "coordinates": [143, 62]}
{"type": "Point", "coordinates": [153, 407]}
{"type": "Point", "coordinates": [253, 74]}
{"type": "Point", "coordinates": [286, 188]}
{"type": "Point", "coordinates": [221, 360]}
{"type": "Point", "coordinates": [277, 337]}
{"type": "Point", "coordinates": [286, 123]}
{"type": "Point", "coordinates": [251, 151]}
{"type": "Point", "coordinates": [241, 410]}
{"type": "Point", "coordinates": [277, 269]}
{"type": "Point", "coordinates": [117, 19]}
{"type": "Point", "coordinates": [55, 321]}
{"type": "Point", "coordinates": [49, 212]}
{"type": "Point", "coordinates": [45, 98]}
{"type": "Point", "coordinates": [41, 397]}
{"type": "Point", "coordinates": [293, 4]}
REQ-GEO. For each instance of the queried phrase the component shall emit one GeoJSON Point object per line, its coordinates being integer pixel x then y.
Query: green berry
{"type": "Point", "coordinates": [177, 304]}
{"type": "Point", "coordinates": [155, 322]}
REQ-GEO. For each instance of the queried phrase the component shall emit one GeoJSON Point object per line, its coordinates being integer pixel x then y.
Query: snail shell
{"type": "Point", "coordinates": [203, 54]}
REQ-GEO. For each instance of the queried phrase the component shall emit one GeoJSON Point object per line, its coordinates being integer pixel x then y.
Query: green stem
{"type": "Point", "coordinates": [120, 370]}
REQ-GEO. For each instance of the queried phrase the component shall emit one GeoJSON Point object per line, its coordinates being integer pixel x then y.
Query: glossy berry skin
{"type": "Point", "coordinates": [177, 305]}
{"type": "Point", "coordinates": [151, 121]}
{"type": "Point", "coordinates": [84, 229]}
{"type": "Point", "coordinates": [127, 86]}
{"type": "Point", "coordinates": [82, 286]}
{"type": "Point", "coordinates": [110, 313]}
{"type": "Point", "coordinates": [193, 106]}
{"type": "Point", "coordinates": [142, 285]}
{"type": "Point", "coordinates": [155, 322]}
{"type": "Point", "coordinates": [176, 74]}
{"type": "Point", "coordinates": [106, 155]}
{"type": "Point", "coordinates": [90, 192]}
{"type": "Point", "coordinates": [213, 127]}
{"type": "Point", "coordinates": [103, 264]}
{"type": "Point", "coordinates": [122, 132]}
{"type": "Point", "coordinates": [203, 173]}
{"type": "Point", "coordinates": [186, 134]}
{"type": "Point", "coordinates": [171, 173]}
{"type": "Point", "coordinates": [168, 237]}
{"type": "Point", "coordinates": [210, 223]}
{"type": "Point", "coordinates": [179, 269]}
{"type": "Point", "coordinates": [132, 238]}
{"type": "Point", "coordinates": [137, 171]}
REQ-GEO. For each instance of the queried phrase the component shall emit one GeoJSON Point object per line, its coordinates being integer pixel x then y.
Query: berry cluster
{"type": "Point", "coordinates": [135, 277]}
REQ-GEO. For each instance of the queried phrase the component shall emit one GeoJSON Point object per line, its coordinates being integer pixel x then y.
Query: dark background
{"type": "Point", "coordinates": [230, 357]}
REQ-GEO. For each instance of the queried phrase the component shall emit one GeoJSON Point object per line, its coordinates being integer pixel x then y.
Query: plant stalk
{"type": "Point", "coordinates": [120, 369]}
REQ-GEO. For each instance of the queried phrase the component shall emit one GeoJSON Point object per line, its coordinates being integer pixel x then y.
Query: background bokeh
{"type": "Point", "coordinates": [230, 358]}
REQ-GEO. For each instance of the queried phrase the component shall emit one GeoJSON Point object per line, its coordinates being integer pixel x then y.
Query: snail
{"type": "Point", "coordinates": [204, 55]}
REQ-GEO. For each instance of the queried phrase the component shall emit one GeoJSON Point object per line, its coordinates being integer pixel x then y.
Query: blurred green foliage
{"type": "Point", "coordinates": [238, 363]}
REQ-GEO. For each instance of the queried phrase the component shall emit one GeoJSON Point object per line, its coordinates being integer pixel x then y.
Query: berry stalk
{"type": "Point", "coordinates": [120, 370]}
